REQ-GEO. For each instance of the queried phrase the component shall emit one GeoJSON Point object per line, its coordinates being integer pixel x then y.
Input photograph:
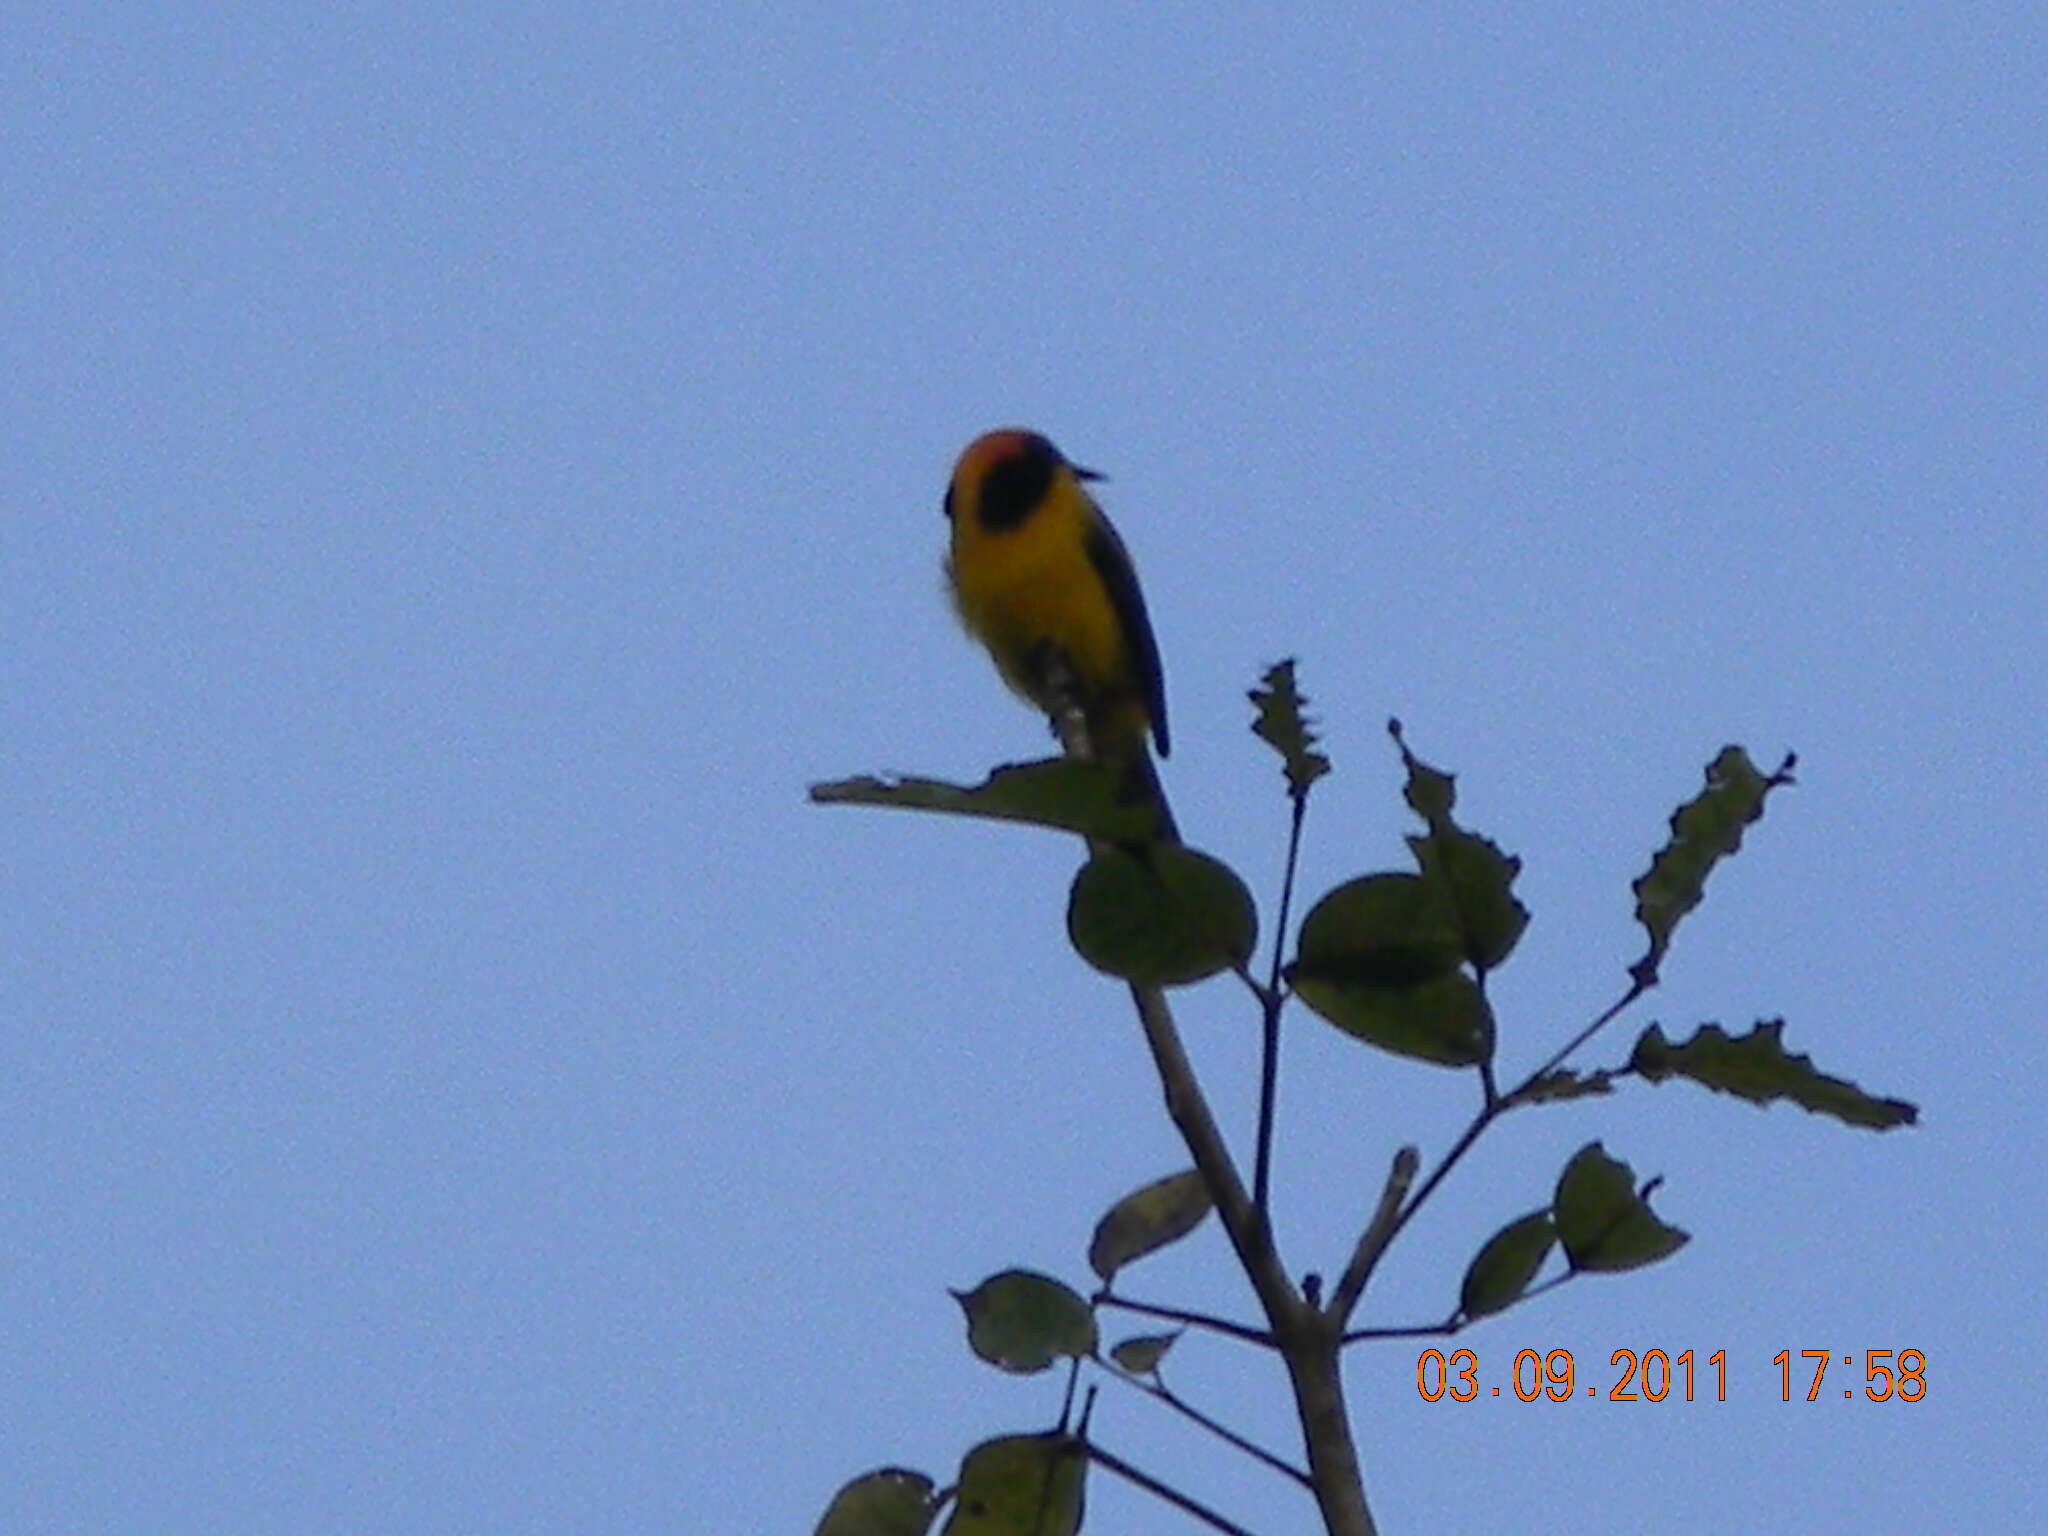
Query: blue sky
{"type": "Point", "coordinates": [466, 471]}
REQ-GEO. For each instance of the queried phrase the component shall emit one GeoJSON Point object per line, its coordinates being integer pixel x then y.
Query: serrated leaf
{"type": "Point", "coordinates": [1558, 1086]}
{"type": "Point", "coordinates": [888, 1502]}
{"type": "Point", "coordinates": [1141, 1355]}
{"type": "Point", "coordinates": [1282, 723]}
{"type": "Point", "coordinates": [1504, 1266]}
{"type": "Point", "coordinates": [1474, 877]}
{"type": "Point", "coordinates": [1479, 879]}
{"type": "Point", "coordinates": [1022, 1321]}
{"type": "Point", "coordinates": [1164, 1211]}
{"type": "Point", "coordinates": [1430, 792]}
{"type": "Point", "coordinates": [1705, 830]}
{"type": "Point", "coordinates": [1757, 1067]}
{"type": "Point", "coordinates": [1162, 916]}
{"type": "Point", "coordinates": [1604, 1222]}
{"type": "Point", "coordinates": [1066, 793]}
{"type": "Point", "coordinates": [1446, 1021]}
{"type": "Point", "coordinates": [1020, 1485]}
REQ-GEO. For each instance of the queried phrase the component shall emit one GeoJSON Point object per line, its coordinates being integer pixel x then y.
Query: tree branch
{"type": "Point", "coordinates": [1245, 1225]}
{"type": "Point", "coordinates": [1307, 1340]}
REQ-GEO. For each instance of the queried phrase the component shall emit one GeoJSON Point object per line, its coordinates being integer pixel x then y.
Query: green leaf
{"type": "Point", "coordinates": [1558, 1086]}
{"type": "Point", "coordinates": [1757, 1067]}
{"type": "Point", "coordinates": [1021, 1321]}
{"type": "Point", "coordinates": [1379, 957]}
{"type": "Point", "coordinates": [1478, 876]}
{"type": "Point", "coordinates": [1604, 1222]}
{"type": "Point", "coordinates": [1388, 930]}
{"type": "Point", "coordinates": [1506, 1264]}
{"type": "Point", "coordinates": [1282, 723]}
{"type": "Point", "coordinates": [1472, 875]}
{"type": "Point", "coordinates": [1704, 831]}
{"type": "Point", "coordinates": [1020, 1485]}
{"type": "Point", "coordinates": [1446, 1021]}
{"type": "Point", "coordinates": [888, 1502]}
{"type": "Point", "coordinates": [1164, 915]}
{"type": "Point", "coordinates": [1070, 794]}
{"type": "Point", "coordinates": [1164, 1211]}
{"type": "Point", "coordinates": [1141, 1355]}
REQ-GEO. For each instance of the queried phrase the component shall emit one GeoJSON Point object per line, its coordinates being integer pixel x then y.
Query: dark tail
{"type": "Point", "coordinates": [1142, 786]}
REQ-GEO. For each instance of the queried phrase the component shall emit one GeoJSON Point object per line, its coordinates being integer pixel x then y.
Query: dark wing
{"type": "Point", "coordinates": [1112, 563]}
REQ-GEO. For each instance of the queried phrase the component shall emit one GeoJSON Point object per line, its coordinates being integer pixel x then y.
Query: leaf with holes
{"type": "Point", "coordinates": [1704, 831]}
{"type": "Point", "coordinates": [1065, 793]}
{"type": "Point", "coordinates": [1282, 724]}
{"type": "Point", "coordinates": [1471, 873]}
{"type": "Point", "coordinates": [1020, 1485]}
{"type": "Point", "coordinates": [888, 1502]}
{"type": "Point", "coordinates": [1757, 1067]}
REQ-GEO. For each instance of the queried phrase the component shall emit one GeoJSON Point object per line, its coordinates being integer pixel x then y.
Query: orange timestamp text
{"type": "Point", "coordinates": [1657, 1375]}
{"type": "Point", "coordinates": [1639, 1376]}
{"type": "Point", "coordinates": [1887, 1374]}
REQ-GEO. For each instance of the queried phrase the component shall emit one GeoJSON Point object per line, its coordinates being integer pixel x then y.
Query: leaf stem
{"type": "Point", "coordinates": [1206, 1320]}
{"type": "Point", "coordinates": [1271, 1000]}
{"type": "Point", "coordinates": [1491, 1111]}
{"type": "Point", "coordinates": [1182, 1406]}
{"type": "Point", "coordinates": [1173, 1496]}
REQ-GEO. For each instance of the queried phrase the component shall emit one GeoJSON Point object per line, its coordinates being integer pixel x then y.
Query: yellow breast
{"type": "Point", "coordinates": [1025, 588]}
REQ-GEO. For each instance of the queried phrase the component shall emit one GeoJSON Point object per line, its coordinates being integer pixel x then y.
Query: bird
{"type": "Point", "coordinates": [1041, 578]}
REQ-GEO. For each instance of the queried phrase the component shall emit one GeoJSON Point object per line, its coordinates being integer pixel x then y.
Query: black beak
{"type": "Point", "coordinates": [1087, 474]}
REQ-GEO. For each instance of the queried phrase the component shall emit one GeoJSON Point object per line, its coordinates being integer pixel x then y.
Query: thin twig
{"type": "Point", "coordinates": [1636, 989]}
{"type": "Point", "coordinates": [1177, 1499]}
{"type": "Point", "coordinates": [1489, 1091]}
{"type": "Point", "coordinates": [1548, 1285]}
{"type": "Point", "coordinates": [1206, 1320]}
{"type": "Point", "coordinates": [1492, 1111]}
{"type": "Point", "coordinates": [1269, 1045]}
{"type": "Point", "coordinates": [1180, 1405]}
{"type": "Point", "coordinates": [1378, 1232]}
{"type": "Point", "coordinates": [1252, 984]}
{"type": "Point", "coordinates": [1459, 1148]}
{"type": "Point", "coordinates": [1418, 1331]}
{"type": "Point", "coordinates": [1458, 1323]}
